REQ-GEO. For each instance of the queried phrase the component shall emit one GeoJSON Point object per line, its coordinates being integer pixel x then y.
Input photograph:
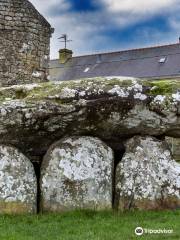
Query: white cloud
{"type": "Point", "coordinates": [138, 6]}
{"type": "Point", "coordinates": [45, 5]}
{"type": "Point", "coordinates": [126, 12]}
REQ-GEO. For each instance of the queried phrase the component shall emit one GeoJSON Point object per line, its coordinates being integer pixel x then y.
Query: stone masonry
{"type": "Point", "coordinates": [24, 43]}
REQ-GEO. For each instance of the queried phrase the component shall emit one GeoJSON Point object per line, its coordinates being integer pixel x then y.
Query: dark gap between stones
{"type": "Point", "coordinates": [118, 147]}
{"type": "Point", "coordinates": [118, 155]}
{"type": "Point", "coordinates": [37, 168]}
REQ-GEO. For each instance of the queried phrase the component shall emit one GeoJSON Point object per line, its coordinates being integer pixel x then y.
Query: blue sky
{"type": "Point", "coordinates": [110, 25]}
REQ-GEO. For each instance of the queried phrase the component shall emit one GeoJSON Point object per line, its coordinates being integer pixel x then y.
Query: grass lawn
{"type": "Point", "coordinates": [89, 225]}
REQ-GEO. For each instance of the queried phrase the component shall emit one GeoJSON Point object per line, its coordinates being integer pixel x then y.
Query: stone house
{"type": "Point", "coordinates": [24, 43]}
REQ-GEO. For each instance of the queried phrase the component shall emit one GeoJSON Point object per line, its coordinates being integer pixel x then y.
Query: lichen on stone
{"type": "Point", "coordinates": [77, 173]}
{"type": "Point", "coordinates": [147, 176]}
{"type": "Point", "coordinates": [17, 182]}
{"type": "Point", "coordinates": [107, 108]}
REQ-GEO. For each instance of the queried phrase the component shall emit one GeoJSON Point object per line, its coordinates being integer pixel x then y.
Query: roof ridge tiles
{"type": "Point", "coordinates": [129, 50]}
{"type": "Point", "coordinates": [123, 51]}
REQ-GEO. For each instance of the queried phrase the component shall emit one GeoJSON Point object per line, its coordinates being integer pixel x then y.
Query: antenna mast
{"type": "Point", "coordinates": [65, 39]}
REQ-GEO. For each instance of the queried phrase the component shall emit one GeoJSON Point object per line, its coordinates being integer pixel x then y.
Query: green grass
{"type": "Point", "coordinates": [89, 225]}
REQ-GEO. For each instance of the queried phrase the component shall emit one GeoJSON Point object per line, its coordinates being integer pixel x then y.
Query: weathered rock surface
{"type": "Point", "coordinates": [17, 182]}
{"type": "Point", "coordinates": [147, 177]}
{"type": "Point", "coordinates": [77, 173]}
{"type": "Point", "coordinates": [174, 144]}
{"type": "Point", "coordinates": [32, 117]}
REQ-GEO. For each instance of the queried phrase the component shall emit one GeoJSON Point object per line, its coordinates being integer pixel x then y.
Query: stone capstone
{"type": "Point", "coordinates": [33, 116]}
{"type": "Point", "coordinates": [147, 176]}
{"type": "Point", "coordinates": [17, 182]}
{"type": "Point", "coordinates": [77, 173]}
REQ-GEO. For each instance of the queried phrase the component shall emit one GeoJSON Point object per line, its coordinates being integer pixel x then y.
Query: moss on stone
{"type": "Point", "coordinates": [163, 86]}
{"type": "Point", "coordinates": [45, 90]}
{"type": "Point", "coordinates": [14, 208]}
{"type": "Point", "coordinates": [20, 93]}
{"type": "Point", "coordinates": [49, 90]}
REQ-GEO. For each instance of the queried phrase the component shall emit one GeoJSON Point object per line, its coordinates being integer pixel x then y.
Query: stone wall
{"type": "Point", "coordinates": [24, 43]}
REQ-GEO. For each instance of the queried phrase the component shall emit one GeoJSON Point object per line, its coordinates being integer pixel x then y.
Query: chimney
{"type": "Point", "coordinates": [65, 55]}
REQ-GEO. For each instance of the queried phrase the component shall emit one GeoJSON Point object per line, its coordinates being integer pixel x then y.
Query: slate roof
{"type": "Point", "coordinates": [151, 62]}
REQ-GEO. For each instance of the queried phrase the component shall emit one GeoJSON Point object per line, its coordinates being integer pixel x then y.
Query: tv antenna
{"type": "Point", "coordinates": [65, 39]}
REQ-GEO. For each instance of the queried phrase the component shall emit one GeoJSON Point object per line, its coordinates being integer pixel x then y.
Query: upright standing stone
{"type": "Point", "coordinates": [147, 177]}
{"type": "Point", "coordinates": [18, 185]}
{"type": "Point", "coordinates": [77, 173]}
